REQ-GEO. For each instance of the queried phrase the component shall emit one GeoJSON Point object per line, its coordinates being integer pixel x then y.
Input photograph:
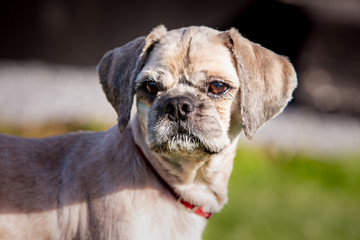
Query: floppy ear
{"type": "Point", "coordinates": [118, 69]}
{"type": "Point", "coordinates": [267, 81]}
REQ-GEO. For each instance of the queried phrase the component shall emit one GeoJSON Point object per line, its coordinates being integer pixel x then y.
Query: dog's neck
{"type": "Point", "coordinates": [201, 180]}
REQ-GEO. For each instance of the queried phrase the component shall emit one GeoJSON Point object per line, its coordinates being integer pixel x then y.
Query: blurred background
{"type": "Point", "coordinates": [298, 179]}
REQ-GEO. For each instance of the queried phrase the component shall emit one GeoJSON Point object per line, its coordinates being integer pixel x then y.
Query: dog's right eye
{"type": "Point", "coordinates": [151, 87]}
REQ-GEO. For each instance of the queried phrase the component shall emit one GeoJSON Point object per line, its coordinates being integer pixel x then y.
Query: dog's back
{"type": "Point", "coordinates": [28, 167]}
{"type": "Point", "coordinates": [32, 180]}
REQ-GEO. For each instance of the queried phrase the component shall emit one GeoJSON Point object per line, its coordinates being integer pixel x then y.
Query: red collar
{"type": "Point", "coordinates": [191, 207]}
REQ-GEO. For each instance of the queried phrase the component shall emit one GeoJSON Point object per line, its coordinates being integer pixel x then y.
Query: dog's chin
{"type": "Point", "coordinates": [184, 144]}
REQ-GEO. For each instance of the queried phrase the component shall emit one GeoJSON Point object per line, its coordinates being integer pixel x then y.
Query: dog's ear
{"type": "Point", "coordinates": [267, 81]}
{"type": "Point", "coordinates": [118, 69]}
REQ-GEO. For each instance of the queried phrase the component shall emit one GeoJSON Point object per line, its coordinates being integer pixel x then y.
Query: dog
{"type": "Point", "coordinates": [163, 173]}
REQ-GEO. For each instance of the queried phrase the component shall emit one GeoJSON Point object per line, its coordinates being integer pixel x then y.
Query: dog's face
{"type": "Point", "coordinates": [185, 91]}
{"type": "Point", "coordinates": [196, 87]}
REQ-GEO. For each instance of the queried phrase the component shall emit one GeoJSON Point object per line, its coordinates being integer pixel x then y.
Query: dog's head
{"type": "Point", "coordinates": [196, 87]}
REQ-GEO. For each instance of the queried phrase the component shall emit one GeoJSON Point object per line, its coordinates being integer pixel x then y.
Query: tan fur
{"type": "Point", "coordinates": [97, 185]}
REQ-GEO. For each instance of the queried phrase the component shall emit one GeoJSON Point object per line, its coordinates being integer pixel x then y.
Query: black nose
{"type": "Point", "coordinates": [179, 108]}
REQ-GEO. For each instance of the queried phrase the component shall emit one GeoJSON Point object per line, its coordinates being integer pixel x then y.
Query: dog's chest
{"type": "Point", "coordinates": [145, 214]}
{"type": "Point", "coordinates": [150, 214]}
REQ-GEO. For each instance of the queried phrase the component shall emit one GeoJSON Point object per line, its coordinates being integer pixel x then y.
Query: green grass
{"type": "Point", "coordinates": [275, 195]}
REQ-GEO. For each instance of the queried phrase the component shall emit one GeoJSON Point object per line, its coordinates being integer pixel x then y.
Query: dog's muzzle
{"type": "Point", "coordinates": [177, 111]}
{"type": "Point", "coordinates": [178, 126]}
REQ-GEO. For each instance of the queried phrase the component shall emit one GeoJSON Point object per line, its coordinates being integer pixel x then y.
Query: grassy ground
{"type": "Point", "coordinates": [272, 194]}
{"type": "Point", "coordinates": [275, 195]}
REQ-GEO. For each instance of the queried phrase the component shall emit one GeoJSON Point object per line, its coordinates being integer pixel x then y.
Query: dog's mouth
{"type": "Point", "coordinates": [179, 142]}
{"type": "Point", "coordinates": [182, 142]}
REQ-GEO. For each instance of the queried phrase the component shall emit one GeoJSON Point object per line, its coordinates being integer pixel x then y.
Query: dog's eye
{"type": "Point", "coordinates": [151, 87]}
{"type": "Point", "coordinates": [218, 88]}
